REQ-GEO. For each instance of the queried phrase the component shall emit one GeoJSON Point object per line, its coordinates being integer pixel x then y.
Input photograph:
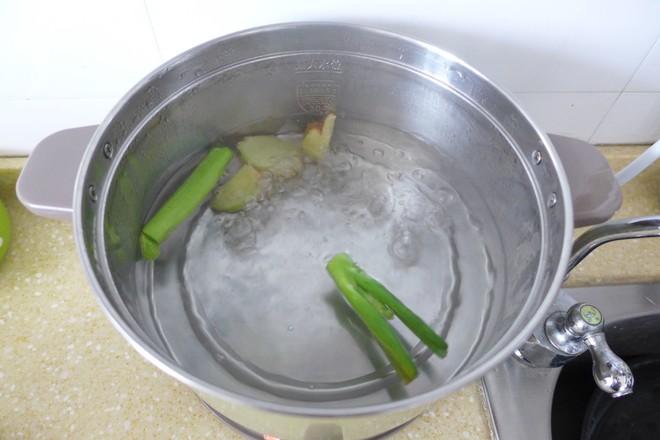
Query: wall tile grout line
{"type": "Point", "coordinates": [153, 31]}
{"type": "Point", "coordinates": [623, 90]}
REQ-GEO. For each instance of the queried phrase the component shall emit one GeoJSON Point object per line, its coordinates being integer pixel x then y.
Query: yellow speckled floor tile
{"type": "Point", "coordinates": [65, 372]}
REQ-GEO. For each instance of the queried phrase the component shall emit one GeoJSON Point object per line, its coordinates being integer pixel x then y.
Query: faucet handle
{"type": "Point", "coordinates": [581, 328]}
{"type": "Point", "coordinates": [611, 373]}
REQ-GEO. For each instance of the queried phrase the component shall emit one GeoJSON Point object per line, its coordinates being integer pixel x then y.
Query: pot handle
{"type": "Point", "coordinates": [46, 183]}
{"type": "Point", "coordinates": [595, 191]}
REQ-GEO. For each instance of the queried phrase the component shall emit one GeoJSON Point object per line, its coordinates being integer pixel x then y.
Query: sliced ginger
{"type": "Point", "coordinates": [240, 190]}
{"type": "Point", "coordinates": [316, 140]}
{"type": "Point", "coordinates": [272, 154]}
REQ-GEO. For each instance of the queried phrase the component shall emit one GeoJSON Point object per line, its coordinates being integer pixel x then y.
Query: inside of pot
{"type": "Point", "coordinates": [430, 186]}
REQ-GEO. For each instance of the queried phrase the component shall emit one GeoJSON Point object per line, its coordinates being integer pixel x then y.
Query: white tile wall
{"type": "Point", "coordinates": [23, 123]}
{"type": "Point", "coordinates": [66, 62]}
{"type": "Point", "coordinates": [588, 69]}
{"type": "Point", "coordinates": [634, 117]}
{"type": "Point", "coordinates": [647, 76]}
{"type": "Point", "coordinates": [576, 114]}
{"type": "Point", "coordinates": [69, 49]}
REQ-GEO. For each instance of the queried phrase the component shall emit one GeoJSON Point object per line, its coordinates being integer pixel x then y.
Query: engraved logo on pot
{"type": "Point", "coordinates": [319, 65]}
{"type": "Point", "coordinates": [319, 96]}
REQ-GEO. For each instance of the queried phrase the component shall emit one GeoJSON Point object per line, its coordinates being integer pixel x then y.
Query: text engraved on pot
{"type": "Point", "coordinates": [319, 65]}
{"type": "Point", "coordinates": [318, 97]}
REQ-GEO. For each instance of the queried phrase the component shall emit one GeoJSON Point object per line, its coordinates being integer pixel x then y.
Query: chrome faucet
{"type": "Point", "coordinates": [581, 328]}
{"type": "Point", "coordinates": [573, 328]}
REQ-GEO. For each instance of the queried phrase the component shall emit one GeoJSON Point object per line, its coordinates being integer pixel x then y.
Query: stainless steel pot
{"type": "Point", "coordinates": [316, 378]}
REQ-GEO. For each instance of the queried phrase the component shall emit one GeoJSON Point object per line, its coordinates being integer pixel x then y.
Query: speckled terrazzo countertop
{"type": "Point", "coordinates": [65, 372]}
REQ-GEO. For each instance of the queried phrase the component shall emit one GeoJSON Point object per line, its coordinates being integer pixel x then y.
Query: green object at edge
{"type": "Point", "coordinates": [5, 230]}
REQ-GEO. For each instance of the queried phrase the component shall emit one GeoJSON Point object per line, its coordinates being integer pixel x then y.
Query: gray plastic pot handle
{"type": "Point", "coordinates": [594, 188]}
{"type": "Point", "coordinates": [47, 181]}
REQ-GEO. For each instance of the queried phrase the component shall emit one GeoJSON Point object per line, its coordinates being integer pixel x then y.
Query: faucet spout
{"type": "Point", "coordinates": [611, 373]}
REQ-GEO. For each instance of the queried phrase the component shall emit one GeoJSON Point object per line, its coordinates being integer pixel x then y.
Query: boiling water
{"type": "Point", "coordinates": [260, 306]}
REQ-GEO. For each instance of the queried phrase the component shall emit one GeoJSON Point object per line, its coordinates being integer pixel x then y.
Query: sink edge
{"type": "Point", "coordinates": [519, 398]}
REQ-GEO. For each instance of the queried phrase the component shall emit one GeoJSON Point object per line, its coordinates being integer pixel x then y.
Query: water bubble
{"type": "Point", "coordinates": [316, 194]}
{"type": "Point", "coordinates": [297, 189]}
{"type": "Point", "coordinates": [399, 154]}
{"type": "Point", "coordinates": [380, 205]}
{"type": "Point", "coordinates": [440, 196]}
{"type": "Point", "coordinates": [413, 205]}
{"type": "Point", "coordinates": [405, 245]}
{"type": "Point", "coordinates": [278, 186]}
{"type": "Point", "coordinates": [438, 220]}
{"type": "Point", "coordinates": [240, 235]}
{"type": "Point", "coordinates": [289, 328]}
{"type": "Point", "coordinates": [418, 174]}
{"type": "Point", "coordinates": [259, 215]}
{"type": "Point", "coordinates": [343, 166]}
{"type": "Point", "coordinates": [394, 176]}
{"type": "Point", "coordinates": [475, 222]}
